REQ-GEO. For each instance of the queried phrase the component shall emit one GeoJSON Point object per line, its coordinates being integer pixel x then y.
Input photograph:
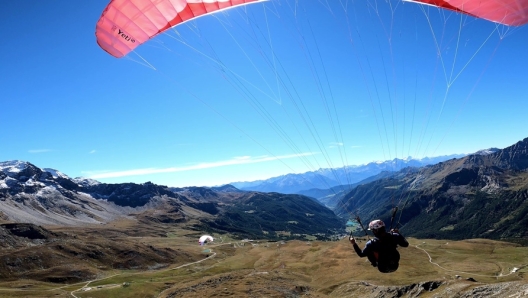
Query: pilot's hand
{"type": "Point", "coordinates": [352, 240]}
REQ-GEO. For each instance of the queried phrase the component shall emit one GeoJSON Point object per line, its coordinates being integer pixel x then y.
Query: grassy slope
{"type": "Point", "coordinates": [275, 269]}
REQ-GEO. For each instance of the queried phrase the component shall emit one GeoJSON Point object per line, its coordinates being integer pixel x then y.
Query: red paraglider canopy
{"type": "Point", "coordinates": [125, 24]}
{"type": "Point", "coordinates": [507, 12]}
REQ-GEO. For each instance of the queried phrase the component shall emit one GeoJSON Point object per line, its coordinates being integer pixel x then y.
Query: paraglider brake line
{"type": "Point", "coordinates": [394, 211]}
{"type": "Point", "coordinates": [362, 227]}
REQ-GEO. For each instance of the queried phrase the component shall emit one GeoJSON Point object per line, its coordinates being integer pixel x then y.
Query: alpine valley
{"type": "Point", "coordinates": [465, 217]}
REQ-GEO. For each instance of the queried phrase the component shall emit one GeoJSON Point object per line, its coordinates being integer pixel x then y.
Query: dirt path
{"type": "Point", "coordinates": [471, 273]}
{"type": "Point", "coordinates": [87, 283]}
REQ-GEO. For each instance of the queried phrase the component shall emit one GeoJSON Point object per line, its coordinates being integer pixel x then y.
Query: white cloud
{"type": "Point", "coordinates": [200, 166]}
{"type": "Point", "coordinates": [92, 152]}
{"type": "Point", "coordinates": [335, 144]}
{"type": "Point", "coordinates": [39, 150]}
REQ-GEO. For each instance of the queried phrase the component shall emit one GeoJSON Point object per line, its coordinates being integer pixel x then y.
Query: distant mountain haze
{"type": "Point", "coordinates": [329, 178]}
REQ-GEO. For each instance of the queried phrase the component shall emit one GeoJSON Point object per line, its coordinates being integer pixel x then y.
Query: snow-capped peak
{"type": "Point", "coordinates": [13, 166]}
{"type": "Point", "coordinates": [487, 151]}
{"type": "Point", "coordinates": [55, 173]}
{"type": "Point", "coordinates": [86, 181]}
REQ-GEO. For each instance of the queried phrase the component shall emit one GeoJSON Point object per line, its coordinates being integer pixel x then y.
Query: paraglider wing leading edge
{"type": "Point", "coordinates": [506, 12]}
{"type": "Point", "coordinates": [125, 24]}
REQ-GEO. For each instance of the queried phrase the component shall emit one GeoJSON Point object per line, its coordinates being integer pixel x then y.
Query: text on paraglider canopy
{"type": "Point", "coordinates": [125, 36]}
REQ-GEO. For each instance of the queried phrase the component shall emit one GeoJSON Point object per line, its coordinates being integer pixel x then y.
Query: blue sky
{"type": "Point", "coordinates": [257, 91]}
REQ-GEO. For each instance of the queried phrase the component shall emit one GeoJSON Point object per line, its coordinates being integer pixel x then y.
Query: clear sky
{"type": "Point", "coordinates": [276, 87]}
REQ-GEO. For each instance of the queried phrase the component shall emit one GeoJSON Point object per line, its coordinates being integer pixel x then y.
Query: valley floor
{"type": "Point", "coordinates": [234, 268]}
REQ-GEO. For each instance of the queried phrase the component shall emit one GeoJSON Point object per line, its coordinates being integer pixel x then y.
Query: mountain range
{"type": "Point", "coordinates": [482, 195]}
{"type": "Point", "coordinates": [310, 183]}
{"type": "Point", "coordinates": [441, 200]}
{"type": "Point", "coordinates": [29, 194]}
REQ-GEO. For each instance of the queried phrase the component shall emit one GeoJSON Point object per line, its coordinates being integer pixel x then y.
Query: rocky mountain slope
{"type": "Point", "coordinates": [480, 195]}
{"type": "Point", "coordinates": [261, 215]}
{"type": "Point", "coordinates": [29, 194]}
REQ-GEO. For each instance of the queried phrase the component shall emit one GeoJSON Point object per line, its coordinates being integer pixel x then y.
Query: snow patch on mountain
{"type": "Point", "coordinates": [56, 174]}
{"type": "Point", "coordinates": [86, 182]}
{"type": "Point", "coordinates": [13, 167]}
{"type": "Point", "coordinates": [487, 151]}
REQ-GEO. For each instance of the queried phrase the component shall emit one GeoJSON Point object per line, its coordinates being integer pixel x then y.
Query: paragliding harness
{"type": "Point", "coordinates": [387, 257]}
